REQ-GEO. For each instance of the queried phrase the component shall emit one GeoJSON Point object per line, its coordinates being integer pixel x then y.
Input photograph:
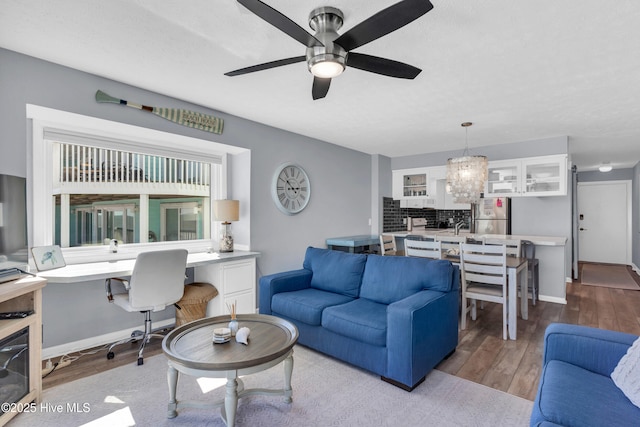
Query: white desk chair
{"type": "Point", "coordinates": [388, 244]}
{"type": "Point", "coordinates": [423, 248]}
{"type": "Point", "coordinates": [157, 281]}
{"type": "Point", "coordinates": [483, 270]}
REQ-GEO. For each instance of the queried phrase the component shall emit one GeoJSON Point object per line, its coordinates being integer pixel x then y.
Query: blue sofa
{"type": "Point", "coordinates": [575, 385]}
{"type": "Point", "coordinates": [394, 316]}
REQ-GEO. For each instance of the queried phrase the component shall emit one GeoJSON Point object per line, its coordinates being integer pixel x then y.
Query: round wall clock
{"type": "Point", "coordinates": [290, 188]}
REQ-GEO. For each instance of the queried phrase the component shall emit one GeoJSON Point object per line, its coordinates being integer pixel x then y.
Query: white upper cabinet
{"type": "Point", "coordinates": [438, 186]}
{"type": "Point", "coordinates": [532, 176]}
{"type": "Point", "coordinates": [410, 184]}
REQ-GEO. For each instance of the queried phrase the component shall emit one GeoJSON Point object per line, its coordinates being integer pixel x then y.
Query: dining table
{"type": "Point", "coordinates": [517, 272]}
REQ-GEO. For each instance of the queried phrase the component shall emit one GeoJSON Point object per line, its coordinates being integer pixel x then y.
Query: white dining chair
{"type": "Point", "coordinates": [388, 244]}
{"type": "Point", "coordinates": [514, 246]}
{"type": "Point", "coordinates": [450, 241]}
{"type": "Point", "coordinates": [483, 270]}
{"type": "Point", "coordinates": [423, 248]}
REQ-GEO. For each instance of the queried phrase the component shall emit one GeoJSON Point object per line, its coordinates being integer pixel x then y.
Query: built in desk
{"type": "Point", "coordinates": [233, 274]}
{"type": "Point", "coordinates": [124, 267]}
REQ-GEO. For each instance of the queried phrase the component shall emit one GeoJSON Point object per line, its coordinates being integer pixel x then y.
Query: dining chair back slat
{"type": "Point", "coordinates": [388, 244]}
{"type": "Point", "coordinates": [423, 248]}
{"type": "Point", "coordinates": [514, 246]}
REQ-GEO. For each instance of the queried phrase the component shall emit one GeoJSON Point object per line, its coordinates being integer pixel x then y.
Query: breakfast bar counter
{"type": "Point", "coordinates": [439, 232]}
{"type": "Point", "coordinates": [551, 252]}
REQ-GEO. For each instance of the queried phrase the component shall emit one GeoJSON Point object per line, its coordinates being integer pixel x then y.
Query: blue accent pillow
{"type": "Point", "coordinates": [335, 271]}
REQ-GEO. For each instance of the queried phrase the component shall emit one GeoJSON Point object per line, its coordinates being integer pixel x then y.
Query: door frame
{"type": "Point", "coordinates": [628, 187]}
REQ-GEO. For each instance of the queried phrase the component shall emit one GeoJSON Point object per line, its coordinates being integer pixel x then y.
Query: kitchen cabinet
{"type": "Point", "coordinates": [418, 203]}
{"type": "Point", "coordinates": [410, 184]}
{"type": "Point", "coordinates": [528, 177]}
{"type": "Point", "coordinates": [411, 187]}
{"type": "Point", "coordinates": [438, 190]}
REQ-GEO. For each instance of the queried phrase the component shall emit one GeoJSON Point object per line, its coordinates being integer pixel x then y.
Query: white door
{"type": "Point", "coordinates": [604, 222]}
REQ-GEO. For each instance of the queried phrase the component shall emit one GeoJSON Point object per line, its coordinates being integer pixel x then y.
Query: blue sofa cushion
{"type": "Point", "coordinates": [572, 396]}
{"type": "Point", "coordinates": [360, 319]}
{"type": "Point", "coordinates": [335, 271]}
{"type": "Point", "coordinates": [305, 305]}
{"type": "Point", "coordinates": [388, 279]}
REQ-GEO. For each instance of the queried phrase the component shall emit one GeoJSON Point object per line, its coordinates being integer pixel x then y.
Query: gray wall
{"type": "Point", "coordinates": [381, 186]}
{"type": "Point", "coordinates": [614, 175]}
{"type": "Point", "coordinates": [341, 181]}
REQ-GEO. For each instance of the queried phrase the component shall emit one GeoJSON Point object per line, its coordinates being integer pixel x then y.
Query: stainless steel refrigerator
{"type": "Point", "coordinates": [492, 216]}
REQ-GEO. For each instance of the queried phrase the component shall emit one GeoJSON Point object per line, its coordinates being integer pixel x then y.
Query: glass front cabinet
{"type": "Point", "coordinates": [410, 184]}
{"type": "Point", "coordinates": [411, 187]}
{"type": "Point", "coordinates": [533, 176]}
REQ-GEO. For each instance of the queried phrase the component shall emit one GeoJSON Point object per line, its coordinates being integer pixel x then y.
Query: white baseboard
{"type": "Point", "coordinates": [556, 300]}
{"type": "Point", "coordinates": [635, 268]}
{"type": "Point", "coordinates": [111, 337]}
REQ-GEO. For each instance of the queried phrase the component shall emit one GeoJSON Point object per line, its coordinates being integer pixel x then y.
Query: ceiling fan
{"type": "Point", "coordinates": [329, 53]}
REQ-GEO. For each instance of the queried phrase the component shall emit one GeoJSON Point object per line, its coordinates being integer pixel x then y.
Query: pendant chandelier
{"type": "Point", "coordinates": [466, 175]}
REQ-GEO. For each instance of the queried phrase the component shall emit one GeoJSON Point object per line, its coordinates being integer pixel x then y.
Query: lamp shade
{"type": "Point", "coordinates": [226, 210]}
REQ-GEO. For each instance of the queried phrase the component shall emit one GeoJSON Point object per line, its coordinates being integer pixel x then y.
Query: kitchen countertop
{"type": "Point", "coordinates": [434, 232]}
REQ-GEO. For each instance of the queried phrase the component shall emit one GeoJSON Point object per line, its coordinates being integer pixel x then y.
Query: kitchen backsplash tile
{"type": "Point", "coordinates": [394, 217]}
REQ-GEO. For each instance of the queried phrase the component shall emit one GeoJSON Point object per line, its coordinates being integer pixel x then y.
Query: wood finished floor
{"type": "Point", "coordinates": [482, 356]}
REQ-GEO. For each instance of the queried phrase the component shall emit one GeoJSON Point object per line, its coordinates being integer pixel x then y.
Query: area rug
{"type": "Point", "coordinates": [610, 276]}
{"type": "Point", "coordinates": [326, 392]}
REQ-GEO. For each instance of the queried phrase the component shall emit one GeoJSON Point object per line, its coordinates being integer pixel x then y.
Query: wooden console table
{"type": "Point", "coordinates": [23, 295]}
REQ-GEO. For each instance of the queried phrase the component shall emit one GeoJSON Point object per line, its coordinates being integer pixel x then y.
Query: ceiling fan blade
{"type": "Point", "coordinates": [386, 67]}
{"type": "Point", "coordinates": [383, 23]}
{"type": "Point", "coordinates": [266, 66]}
{"type": "Point", "coordinates": [320, 87]}
{"type": "Point", "coordinates": [281, 22]}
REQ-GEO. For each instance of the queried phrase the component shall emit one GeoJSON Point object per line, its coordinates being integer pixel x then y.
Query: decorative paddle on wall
{"type": "Point", "coordinates": [187, 118]}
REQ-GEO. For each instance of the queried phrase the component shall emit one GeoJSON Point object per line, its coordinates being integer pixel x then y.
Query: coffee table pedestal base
{"type": "Point", "coordinates": [234, 388]}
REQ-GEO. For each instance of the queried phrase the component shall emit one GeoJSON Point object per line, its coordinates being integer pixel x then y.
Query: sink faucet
{"type": "Point", "coordinates": [459, 225]}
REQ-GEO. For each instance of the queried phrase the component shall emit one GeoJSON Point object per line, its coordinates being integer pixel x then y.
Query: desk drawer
{"type": "Point", "coordinates": [238, 277]}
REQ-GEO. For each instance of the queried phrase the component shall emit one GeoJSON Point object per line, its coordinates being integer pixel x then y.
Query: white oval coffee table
{"type": "Point", "coordinates": [191, 351]}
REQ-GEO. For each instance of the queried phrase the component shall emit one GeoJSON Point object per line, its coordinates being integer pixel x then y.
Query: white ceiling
{"type": "Point", "coordinates": [520, 70]}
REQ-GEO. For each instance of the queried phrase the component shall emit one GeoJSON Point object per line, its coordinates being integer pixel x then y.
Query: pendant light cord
{"type": "Point", "coordinates": [466, 125]}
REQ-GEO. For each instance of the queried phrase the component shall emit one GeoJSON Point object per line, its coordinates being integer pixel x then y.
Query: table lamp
{"type": "Point", "coordinates": [226, 211]}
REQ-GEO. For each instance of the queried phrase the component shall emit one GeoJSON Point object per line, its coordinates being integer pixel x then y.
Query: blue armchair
{"type": "Point", "coordinates": [575, 385]}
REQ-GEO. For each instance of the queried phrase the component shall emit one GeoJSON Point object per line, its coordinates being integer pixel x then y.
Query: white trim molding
{"type": "Point", "coordinates": [46, 121]}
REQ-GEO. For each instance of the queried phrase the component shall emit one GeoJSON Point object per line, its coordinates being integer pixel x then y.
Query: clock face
{"type": "Point", "coordinates": [291, 188]}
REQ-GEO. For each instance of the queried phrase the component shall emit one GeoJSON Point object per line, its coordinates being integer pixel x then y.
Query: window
{"type": "Point", "coordinates": [103, 190]}
{"type": "Point", "coordinates": [96, 180]}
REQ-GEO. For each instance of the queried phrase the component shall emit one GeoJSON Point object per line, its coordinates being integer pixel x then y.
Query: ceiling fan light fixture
{"type": "Point", "coordinates": [326, 66]}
